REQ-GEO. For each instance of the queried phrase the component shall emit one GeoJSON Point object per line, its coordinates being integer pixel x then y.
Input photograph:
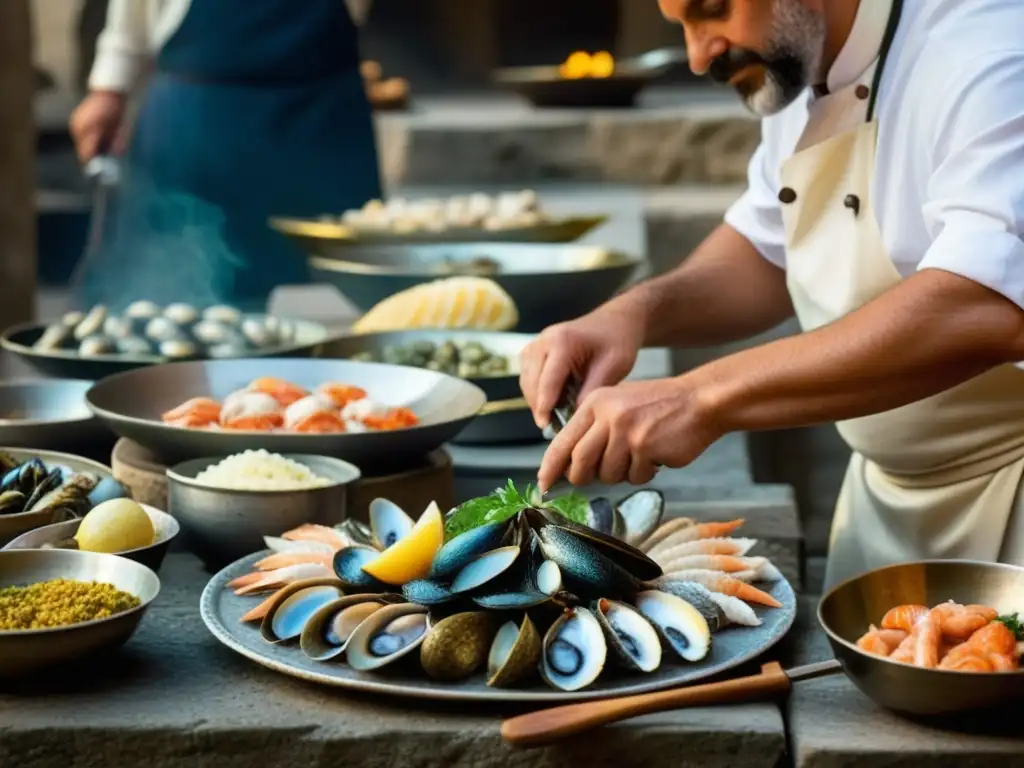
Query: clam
{"type": "Point", "coordinates": [222, 314]}
{"type": "Point", "coordinates": [458, 552]}
{"type": "Point", "coordinates": [71, 319]}
{"type": "Point", "coordinates": [293, 607]}
{"type": "Point", "coordinates": [574, 651]}
{"type": "Point", "coordinates": [135, 346]}
{"type": "Point", "coordinates": [163, 329]}
{"type": "Point", "coordinates": [485, 568]}
{"type": "Point", "coordinates": [388, 523]}
{"type": "Point", "coordinates": [348, 567]}
{"type": "Point", "coordinates": [211, 332]}
{"type": "Point", "coordinates": [700, 598]}
{"type": "Point", "coordinates": [256, 332]}
{"type": "Point", "coordinates": [641, 514]}
{"type": "Point", "coordinates": [53, 337]}
{"type": "Point", "coordinates": [142, 310]}
{"type": "Point", "coordinates": [678, 623]}
{"type": "Point", "coordinates": [458, 645]}
{"type": "Point", "coordinates": [387, 636]}
{"type": "Point", "coordinates": [630, 636]}
{"type": "Point", "coordinates": [182, 314]}
{"type": "Point", "coordinates": [92, 323]}
{"type": "Point", "coordinates": [178, 348]}
{"type": "Point", "coordinates": [327, 632]}
{"type": "Point", "coordinates": [94, 346]}
{"type": "Point", "coordinates": [233, 348]}
{"type": "Point", "coordinates": [427, 592]}
{"type": "Point", "coordinates": [584, 569]}
{"type": "Point", "coordinates": [118, 327]}
{"type": "Point", "coordinates": [514, 655]}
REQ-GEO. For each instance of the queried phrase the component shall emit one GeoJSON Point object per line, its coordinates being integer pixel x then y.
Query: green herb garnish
{"type": "Point", "coordinates": [1014, 624]}
{"type": "Point", "coordinates": [508, 501]}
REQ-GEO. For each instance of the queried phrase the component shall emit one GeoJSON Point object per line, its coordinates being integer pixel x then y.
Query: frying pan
{"type": "Point", "coordinates": [545, 86]}
{"type": "Point", "coordinates": [844, 614]}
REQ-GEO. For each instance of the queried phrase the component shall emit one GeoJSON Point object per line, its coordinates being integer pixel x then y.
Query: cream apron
{"type": "Point", "coordinates": [939, 478]}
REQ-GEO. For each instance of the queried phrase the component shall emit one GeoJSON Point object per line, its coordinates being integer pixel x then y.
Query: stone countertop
{"type": "Point", "coordinates": [175, 697]}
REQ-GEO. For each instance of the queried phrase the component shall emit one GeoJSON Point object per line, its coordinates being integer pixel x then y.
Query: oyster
{"type": "Point", "coordinates": [388, 523]}
{"type": "Point", "coordinates": [631, 637]}
{"type": "Point", "coordinates": [134, 346]}
{"type": "Point", "coordinates": [327, 632]}
{"type": "Point", "coordinates": [387, 636]}
{"type": "Point", "coordinates": [458, 645]}
{"type": "Point", "coordinates": [163, 329]}
{"type": "Point", "coordinates": [292, 609]}
{"type": "Point", "coordinates": [178, 348]}
{"type": "Point", "coordinates": [514, 655]}
{"type": "Point", "coordinates": [574, 651]}
{"type": "Point", "coordinates": [678, 623]}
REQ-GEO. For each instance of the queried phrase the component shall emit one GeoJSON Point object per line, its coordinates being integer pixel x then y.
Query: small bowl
{"type": "Point", "coordinates": [223, 525]}
{"type": "Point", "coordinates": [846, 612]}
{"type": "Point", "coordinates": [32, 650]}
{"type": "Point", "coordinates": [48, 414]}
{"type": "Point", "coordinates": [165, 525]}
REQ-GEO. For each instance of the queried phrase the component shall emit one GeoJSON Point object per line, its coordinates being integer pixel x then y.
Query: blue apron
{"type": "Point", "coordinates": [257, 109]}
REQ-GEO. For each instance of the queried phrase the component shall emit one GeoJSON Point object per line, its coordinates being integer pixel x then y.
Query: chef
{"type": "Point", "coordinates": [885, 209]}
{"type": "Point", "coordinates": [255, 109]}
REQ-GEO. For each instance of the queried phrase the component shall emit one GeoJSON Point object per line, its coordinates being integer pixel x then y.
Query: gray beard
{"type": "Point", "coordinates": [798, 35]}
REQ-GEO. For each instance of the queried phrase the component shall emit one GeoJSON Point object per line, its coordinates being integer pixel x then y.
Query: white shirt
{"type": "Point", "coordinates": [948, 188]}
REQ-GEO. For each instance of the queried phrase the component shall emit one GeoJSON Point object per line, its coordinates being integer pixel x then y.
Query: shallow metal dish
{"type": "Point", "coordinates": [495, 387]}
{"type": "Point", "coordinates": [131, 404]}
{"type": "Point", "coordinates": [548, 283]}
{"type": "Point", "coordinates": [221, 610]}
{"type": "Point", "coordinates": [165, 525]}
{"type": "Point", "coordinates": [219, 523]}
{"type": "Point", "coordinates": [26, 651]}
{"type": "Point", "coordinates": [847, 610]}
{"type": "Point", "coordinates": [15, 525]}
{"type": "Point", "coordinates": [68, 364]}
{"type": "Point", "coordinates": [48, 414]}
{"type": "Point", "coordinates": [324, 238]}
{"type": "Point", "coordinates": [505, 422]}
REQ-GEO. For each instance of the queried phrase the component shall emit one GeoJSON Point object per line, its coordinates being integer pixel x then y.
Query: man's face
{"type": "Point", "coordinates": [768, 50]}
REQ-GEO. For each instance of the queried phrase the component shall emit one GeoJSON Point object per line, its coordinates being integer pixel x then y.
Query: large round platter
{"type": "Point", "coordinates": [322, 238]}
{"type": "Point", "coordinates": [68, 364]}
{"type": "Point", "coordinates": [131, 404]}
{"type": "Point", "coordinates": [221, 611]}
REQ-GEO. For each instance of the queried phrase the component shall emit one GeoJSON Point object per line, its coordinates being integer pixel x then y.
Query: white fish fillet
{"type": "Point", "coordinates": [736, 611]}
{"type": "Point", "coordinates": [278, 544]}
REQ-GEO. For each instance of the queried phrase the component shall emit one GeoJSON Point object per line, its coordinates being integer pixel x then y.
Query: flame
{"type": "Point", "coordinates": [581, 64]}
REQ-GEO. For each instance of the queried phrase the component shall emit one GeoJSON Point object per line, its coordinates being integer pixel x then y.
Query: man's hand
{"type": "Point", "coordinates": [626, 432]}
{"type": "Point", "coordinates": [96, 124]}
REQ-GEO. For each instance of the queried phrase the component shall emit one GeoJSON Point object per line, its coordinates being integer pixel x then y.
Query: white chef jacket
{"type": "Point", "coordinates": [949, 178]}
{"type": "Point", "coordinates": [136, 29]}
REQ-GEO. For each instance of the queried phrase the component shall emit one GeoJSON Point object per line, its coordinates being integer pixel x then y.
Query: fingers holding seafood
{"type": "Point", "coordinates": [458, 645]}
{"type": "Point", "coordinates": [515, 654]}
{"type": "Point", "coordinates": [631, 637]}
{"type": "Point", "coordinates": [574, 651]}
{"type": "Point", "coordinates": [327, 632]}
{"type": "Point", "coordinates": [388, 635]}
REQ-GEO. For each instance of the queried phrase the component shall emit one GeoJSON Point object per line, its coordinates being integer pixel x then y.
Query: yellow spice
{"type": "Point", "coordinates": [59, 603]}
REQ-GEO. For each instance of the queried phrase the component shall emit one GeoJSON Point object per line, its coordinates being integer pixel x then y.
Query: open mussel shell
{"type": "Point", "coordinates": [619, 552]}
{"type": "Point", "coordinates": [358, 532]}
{"type": "Point", "coordinates": [485, 569]}
{"type": "Point", "coordinates": [631, 637]}
{"type": "Point", "coordinates": [70, 495]}
{"type": "Point", "coordinates": [327, 632]}
{"type": "Point", "coordinates": [348, 567]}
{"type": "Point", "coordinates": [574, 651]}
{"type": "Point", "coordinates": [585, 571]}
{"type": "Point", "coordinates": [514, 655]}
{"type": "Point", "coordinates": [427, 592]}
{"type": "Point", "coordinates": [700, 598]}
{"type": "Point", "coordinates": [293, 606]}
{"type": "Point", "coordinates": [388, 523]}
{"type": "Point", "coordinates": [464, 548]}
{"type": "Point", "coordinates": [458, 645]}
{"type": "Point", "coordinates": [678, 623]}
{"type": "Point", "coordinates": [604, 518]}
{"type": "Point", "coordinates": [24, 477]}
{"type": "Point", "coordinates": [387, 636]}
{"type": "Point", "coordinates": [640, 514]}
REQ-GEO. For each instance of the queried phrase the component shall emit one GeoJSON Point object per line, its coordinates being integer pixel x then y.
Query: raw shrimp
{"type": "Point", "coordinates": [727, 563]}
{"type": "Point", "coordinates": [994, 637]}
{"type": "Point", "coordinates": [195, 413]}
{"type": "Point", "coordinates": [322, 534]}
{"type": "Point", "coordinates": [282, 559]}
{"type": "Point", "coordinates": [278, 544]}
{"type": "Point", "coordinates": [928, 637]}
{"type": "Point", "coordinates": [735, 547]}
{"type": "Point", "coordinates": [881, 642]}
{"type": "Point", "coordinates": [904, 617]}
{"type": "Point", "coordinates": [340, 394]}
{"type": "Point", "coordinates": [695, 532]}
{"type": "Point", "coordinates": [959, 622]}
{"type": "Point", "coordinates": [251, 411]}
{"type": "Point", "coordinates": [396, 418]}
{"type": "Point", "coordinates": [283, 391]}
{"type": "Point", "coordinates": [726, 584]}
{"type": "Point", "coordinates": [981, 662]}
{"type": "Point", "coordinates": [269, 581]}
{"type": "Point", "coordinates": [664, 531]}
{"type": "Point", "coordinates": [313, 415]}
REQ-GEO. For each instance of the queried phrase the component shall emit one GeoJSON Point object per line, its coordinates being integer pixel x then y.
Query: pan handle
{"type": "Point", "coordinates": [500, 406]}
{"type": "Point", "coordinates": [547, 725]}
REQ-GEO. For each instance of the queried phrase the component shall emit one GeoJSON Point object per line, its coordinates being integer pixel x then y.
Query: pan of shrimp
{"type": "Point", "coordinates": [374, 415]}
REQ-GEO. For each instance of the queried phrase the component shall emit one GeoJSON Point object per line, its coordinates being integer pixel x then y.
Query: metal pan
{"type": "Point", "coordinates": [131, 404]}
{"type": "Point", "coordinates": [68, 364]}
{"type": "Point", "coordinates": [48, 414]}
{"type": "Point", "coordinates": [548, 283]}
{"type": "Point", "coordinates": [844, 614]}
{"type": "Point", "coordinates": [324, 238]}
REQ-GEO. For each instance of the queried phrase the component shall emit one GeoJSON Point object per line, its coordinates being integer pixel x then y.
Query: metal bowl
{"type": "Point", "coordinates": [26, 651]}
{"type": "Point", "coordinates": [505, 422]}
{"type": "Point", "coordinates": [324, 238]}
{"type": "Point", "coordinates": [48, 414]}
{"type": "Point", "coordinates": [508, 345]}
{"type": "Point", "coordinates": [847, 610]}
{"type": "Point", "coordinates": [165, 526]}
{"type": "Point", "coordinates": [548, 283]}
{"type": "Point", "coordinates": [223, 525]}
{"type": "Point", "coordinates": [131, 404]}
{"type": "Point", "coordinates": [68, 364]}
{"type": "Point", "coordinates": [15, 525]}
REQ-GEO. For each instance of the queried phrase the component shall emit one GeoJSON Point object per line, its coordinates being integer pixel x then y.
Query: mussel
{"type": "Point", "coordinates": [327, 632]}
{"type": "Point", "coordinates": [458, 645]}
{"type": "Point", "coordinates": [641, 514]}
{"type": "Point", "coordinates": [387, 636]}
{"type": "Point", "coordinates": [71, 495]}
{"type": "Point", "coordinates": [388, 523]}
{"type": "Point", "coordinates": [630, 636]}
{"type": "Point", "coordinates": [678, 623]}
{"type": "Point", "coordinates": [574, 651]}
{"type": "Point", "coordinates": [700, 598]}
{"type": "Point", "coordinates": [584, 569]}
{"type": "Point", "coordinates": [427, 592]}
{"type": "Point", "coordinates": [293, 607]}
{"type": "Point", "coordinates": [457, 553]}
{"type": "Point", "coordinates": [348, 567]}
{"type": "Point", "coordinates": [514, 655]}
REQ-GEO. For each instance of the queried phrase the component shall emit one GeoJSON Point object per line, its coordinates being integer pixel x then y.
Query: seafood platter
{"type": "Point", "coordinates": [506, 217]}
{"type": "Point", "coordinates": [48, 414]}
{"type": "Point", "coordinates": [507, 597]}
{"type": "Point", "coordinates": [546, 283]}
{"type": "Point", "coordinates": [370, 414]}
{"type": "Point", "coordinates": [98, 342]}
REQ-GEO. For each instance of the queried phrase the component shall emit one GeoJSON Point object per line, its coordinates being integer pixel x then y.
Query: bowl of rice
{"type": "Point", "coordinates": [226, 505]}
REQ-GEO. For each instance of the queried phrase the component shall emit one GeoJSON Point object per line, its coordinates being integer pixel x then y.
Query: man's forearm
{"type": "Point", "coordinates": [933, 331]}
{"type": "Point", "coordinates": [725, 291]}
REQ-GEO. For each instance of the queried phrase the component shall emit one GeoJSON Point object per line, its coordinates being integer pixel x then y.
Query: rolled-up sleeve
{"type": "Point", "coordinates": [974, 209]}
{"type": "Point", "coordinates": [122, 47]}
{"type": "Point", "coordinates": [757, 215]}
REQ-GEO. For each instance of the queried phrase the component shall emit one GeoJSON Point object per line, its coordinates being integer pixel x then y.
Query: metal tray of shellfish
{"type": "Point", "coordinates": [340, 631]}
{"type": "Point", "coordinates": [95, 344]}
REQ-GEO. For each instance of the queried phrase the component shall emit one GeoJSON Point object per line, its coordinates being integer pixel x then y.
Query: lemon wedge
{"type": "Point", "coordinates": [117, 525]}
{"type": "Point", "coordinates": [454, 302]}
{"type": "Point", "coordinates": [410, 557]}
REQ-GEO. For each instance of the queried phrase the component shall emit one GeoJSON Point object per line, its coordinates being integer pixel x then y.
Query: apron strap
{"type": "Point", "coordinates": [887, 41]}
